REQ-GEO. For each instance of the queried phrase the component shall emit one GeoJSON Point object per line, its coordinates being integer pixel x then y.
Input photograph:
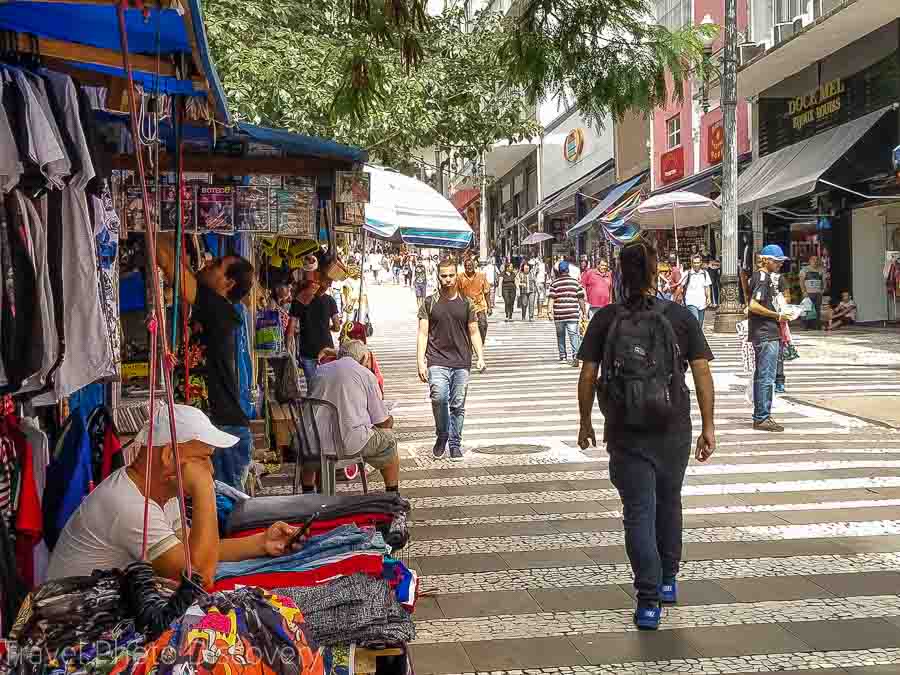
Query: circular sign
{"type": "Point", "coordinates": [574, 145]}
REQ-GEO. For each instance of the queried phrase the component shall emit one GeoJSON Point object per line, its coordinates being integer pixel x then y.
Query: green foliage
{"type": "Point", "coordinates": [382, 75]}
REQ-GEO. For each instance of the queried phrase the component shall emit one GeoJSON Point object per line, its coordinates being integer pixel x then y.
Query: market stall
{"type": "Point", "coordinates": [85, 191]}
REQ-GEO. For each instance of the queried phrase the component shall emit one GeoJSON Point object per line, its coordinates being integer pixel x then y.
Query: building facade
{"type": "Point", "coordinates": [824, 91]}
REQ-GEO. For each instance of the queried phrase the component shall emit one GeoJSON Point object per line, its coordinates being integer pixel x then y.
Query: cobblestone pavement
{"type": "Point", "coordinates": [792, 542]}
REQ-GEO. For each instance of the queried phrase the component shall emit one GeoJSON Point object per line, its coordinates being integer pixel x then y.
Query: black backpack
{"type": "Point", "coordinates": [641, 384]}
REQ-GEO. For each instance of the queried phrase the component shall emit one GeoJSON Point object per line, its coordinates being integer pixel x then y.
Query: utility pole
{"type": "Point", "coordinates": [729, 312]}
{"type": "Point", "coordinates": [483, 219]}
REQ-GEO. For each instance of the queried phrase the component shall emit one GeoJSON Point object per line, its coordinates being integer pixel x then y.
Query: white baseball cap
{"type": "Point", "coordinates": [191, 424]}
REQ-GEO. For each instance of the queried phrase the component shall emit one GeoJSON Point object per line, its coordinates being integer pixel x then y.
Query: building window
{"type": "Point", "coordinates": [673, 132]}
{"type": "Point", "coordinates": [673, 14]}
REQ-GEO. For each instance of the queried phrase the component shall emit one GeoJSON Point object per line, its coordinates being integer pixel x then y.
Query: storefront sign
{"type": "Point", "coordinates": [672, 165]}
{"type": "Point", "coordinates": [715, 143]}
{"type": "Point", "coordinates": [817, 105]}
{"type": "Point", "coordinates": [787, 116]}
{"type": "Point", "coordinates": [574, 146]}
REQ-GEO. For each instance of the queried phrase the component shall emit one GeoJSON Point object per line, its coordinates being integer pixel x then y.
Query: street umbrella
{"type": "Point", "coordinates": [536, 238]}
{"type": "Point", "coordinates": [405, 209]}
{"type": "Point", "coordinates": [674, 210]}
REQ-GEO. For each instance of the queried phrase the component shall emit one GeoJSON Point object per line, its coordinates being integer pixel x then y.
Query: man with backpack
{"type": "Point", "coordinates": [448, 333]}
{"type": "Point", "coordinates": [697, 290]}
{"type": "Point", "coordinates": [635, 357]}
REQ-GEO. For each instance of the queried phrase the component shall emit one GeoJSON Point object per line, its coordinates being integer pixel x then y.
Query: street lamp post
{"type": "Point", "coordinates": [729, 311]}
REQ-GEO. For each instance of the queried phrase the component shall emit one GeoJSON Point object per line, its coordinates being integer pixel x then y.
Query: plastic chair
{"type": "Point", "coordinates": [304, 412]}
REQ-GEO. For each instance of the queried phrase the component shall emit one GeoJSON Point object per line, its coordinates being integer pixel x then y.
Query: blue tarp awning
{"type": "Point", "coordinates": [288, 142]}
{"type": "Point", "coordinates": [614, 195]}
{"type": "Point", "coordinates": [307, 146]}
{"type": "Point", "coordinates": [95, 24]}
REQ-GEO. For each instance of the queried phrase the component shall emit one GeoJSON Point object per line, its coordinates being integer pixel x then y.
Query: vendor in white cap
{"type": "Point", "coordinates": [106, 532]}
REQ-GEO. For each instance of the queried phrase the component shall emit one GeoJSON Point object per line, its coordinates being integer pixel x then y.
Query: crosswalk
{"type": "Point", "coordinates": [792, 541]}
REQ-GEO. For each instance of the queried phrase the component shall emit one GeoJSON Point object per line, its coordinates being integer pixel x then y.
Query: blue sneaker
{"type": "Point", "coordinates": [779, 389]}
{"type": "Point", "coordinates": [647, 618]}
{"type": "Point", "coordinates": [668, 592]}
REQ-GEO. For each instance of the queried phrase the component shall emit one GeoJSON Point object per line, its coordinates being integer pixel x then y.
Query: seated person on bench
{"type": "Point", "coordinates": [366, 427]}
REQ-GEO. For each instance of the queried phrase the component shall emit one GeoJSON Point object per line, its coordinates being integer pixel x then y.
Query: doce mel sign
{"type": "Point", "coordinates": [819, 104]}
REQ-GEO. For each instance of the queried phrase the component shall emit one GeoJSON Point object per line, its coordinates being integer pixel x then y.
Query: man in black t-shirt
{"type": "Point", "coordinates": [448, 333]}
{"type": "Point", "coordinates": [317, 316]}
{"type": "Point", "coordinates": [646, 466]}
{"type": "Point", "coordinates": [765, 335]}
{"type": "Point", "coordinates": [212, 294]}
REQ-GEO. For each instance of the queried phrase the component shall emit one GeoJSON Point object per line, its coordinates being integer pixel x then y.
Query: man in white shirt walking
{"type": "Point", "coordinates": [697, 289]}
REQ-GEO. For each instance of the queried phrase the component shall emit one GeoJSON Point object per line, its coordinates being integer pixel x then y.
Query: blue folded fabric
{"type": "Point", "coordinates": [316, 552]}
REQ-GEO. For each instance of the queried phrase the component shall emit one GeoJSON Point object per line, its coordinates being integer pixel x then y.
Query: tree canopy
{"type": "Point", "coordinates": [389, 78]}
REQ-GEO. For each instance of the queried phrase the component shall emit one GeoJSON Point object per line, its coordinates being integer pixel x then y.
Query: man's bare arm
{"type": "Point", "coordinates": [421, 346]}
{"type": "Point", "coordinates": [757, 308]}
{"type": "Point", "coordinates": [165, 259]}
{"type": "Point", "coordinates": [703, 384]}
{"type": "Point", "coordinates": [587, 383]}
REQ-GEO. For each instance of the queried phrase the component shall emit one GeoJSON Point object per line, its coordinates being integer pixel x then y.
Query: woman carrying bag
{"type": "Point", "coordinates": [527, 288]}
{"type": "Point", "coordinates": [508, 286]}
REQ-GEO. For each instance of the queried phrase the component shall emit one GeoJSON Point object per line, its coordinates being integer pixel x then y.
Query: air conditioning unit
{"type": "Point", "coordinates": [784, 31]}
{"type": "Point", "coordinates": [749, 51]}
{"type": "Point", "coordinates": [825, 7]}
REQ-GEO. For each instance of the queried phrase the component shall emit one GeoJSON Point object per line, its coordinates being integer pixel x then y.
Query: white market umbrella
{"type": "Point", "coordinates": [536, 238]}
{"type": "Point", "coordinates": [674, 210]}
{"type": "Point", "coordinates": [405, 209]}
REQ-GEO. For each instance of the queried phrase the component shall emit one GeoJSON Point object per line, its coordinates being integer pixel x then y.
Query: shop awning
{"type": "Point", "coordinates": [793, 171]}
{"type": "Point", "coordinates": [299, 144]}
{"type": "Point", "coordinates": [406, 209]}
{"type": "Point", "coordinates": [613, 196]}
{"type": "Point", "coordinates": [86, 35]}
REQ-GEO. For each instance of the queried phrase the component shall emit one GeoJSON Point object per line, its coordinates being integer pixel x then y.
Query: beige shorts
{"type": "Point", "coordinates": [380, 449]}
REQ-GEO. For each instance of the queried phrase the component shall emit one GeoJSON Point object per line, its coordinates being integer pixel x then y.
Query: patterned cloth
{"type": "Point", "coordinates": [244, 632]}
{"type": "Point", "coordinates": [355, 608]}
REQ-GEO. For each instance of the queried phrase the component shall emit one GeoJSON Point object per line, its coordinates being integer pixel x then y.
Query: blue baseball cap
{"type": "Point", "coordinates": [563, 266]}
{"type": "Point", "coordinates": [773, 251]}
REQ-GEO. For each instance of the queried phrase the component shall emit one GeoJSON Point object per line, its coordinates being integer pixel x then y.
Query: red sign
{"type": "Point", "coordinates": [671, 165]}
{"type": "Point", "coordinates": [715, 143]}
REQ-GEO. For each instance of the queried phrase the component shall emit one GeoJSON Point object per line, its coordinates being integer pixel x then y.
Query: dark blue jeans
{"type": "Point", "coordinates": [767, 354]}
{"type": "Point", "coordinates": [232, 464]}
{"type": "Point", "coordinates": [651, 511]}
{"type": "Point", "coordinates": [310, 367]}
{"type": "Point", "coordinates": [448, 387]}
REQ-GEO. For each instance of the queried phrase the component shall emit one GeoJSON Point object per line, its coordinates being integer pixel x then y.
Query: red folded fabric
{"type": "Point", "coordinates": [363, 563]}
{"type": "Point", "coordinates": [322, 526]}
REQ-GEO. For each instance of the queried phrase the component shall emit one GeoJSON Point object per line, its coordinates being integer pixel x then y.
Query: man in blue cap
{"type": "Point", "coordinates": [765, 335]}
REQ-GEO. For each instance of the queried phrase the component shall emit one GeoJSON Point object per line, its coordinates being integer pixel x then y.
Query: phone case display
{"type": "Point", "coordinates": [168, 204]}
{"type": "Point", "coordinates": [254, 209]}
{"type": "Point", "coordinates": [296, 207]}
{"type": "Point", "coordinates": [215, 209]}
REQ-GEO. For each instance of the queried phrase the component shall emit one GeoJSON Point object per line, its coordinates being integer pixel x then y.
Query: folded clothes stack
{"type": "Point", "coordinates": [345, 550]}
{"type": "Point", "coordinates": [386, 511]}
{"type": "Point", "coordinates": [353, 609]}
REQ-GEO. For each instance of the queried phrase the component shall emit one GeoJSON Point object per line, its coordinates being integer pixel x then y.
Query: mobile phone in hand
{"type": "Point", "coordinates": [303, 530]}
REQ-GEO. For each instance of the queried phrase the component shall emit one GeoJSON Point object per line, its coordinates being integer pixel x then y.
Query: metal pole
{"type": "Point", "coordinates": [729, 312]}
{"type": "Point", "coordinates": [483, 220]}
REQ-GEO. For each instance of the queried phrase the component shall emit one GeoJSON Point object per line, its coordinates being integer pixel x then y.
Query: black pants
{"type": "Point", "coordinates": [651, 509]}
{"type": "Point", "coordinates": [482, 326]}
{"type": "Point", "coordinates": [509, 301]}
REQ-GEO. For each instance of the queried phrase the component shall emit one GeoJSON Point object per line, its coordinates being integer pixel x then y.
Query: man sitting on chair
{"type": "Point", "coordinates": [366, 428]}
